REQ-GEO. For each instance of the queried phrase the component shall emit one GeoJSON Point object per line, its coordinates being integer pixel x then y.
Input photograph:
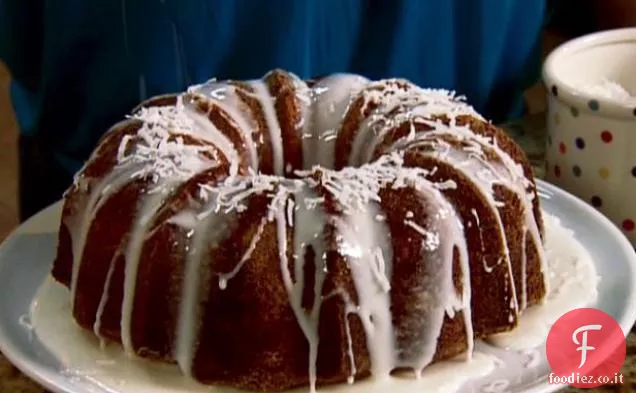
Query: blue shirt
{"type": "Point", "coordinates": [80, 66]}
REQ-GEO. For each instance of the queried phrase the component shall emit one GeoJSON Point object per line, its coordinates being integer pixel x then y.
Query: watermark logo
{"type": "Point", "coordinates": [586, 349]}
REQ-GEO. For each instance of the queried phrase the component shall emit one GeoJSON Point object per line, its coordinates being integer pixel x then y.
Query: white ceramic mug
{"type": "Point", "coordinates": [591, 147]}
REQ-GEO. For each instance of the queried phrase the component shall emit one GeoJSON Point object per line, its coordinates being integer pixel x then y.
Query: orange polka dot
{"type": "Point", "coordinates": [604, 173]}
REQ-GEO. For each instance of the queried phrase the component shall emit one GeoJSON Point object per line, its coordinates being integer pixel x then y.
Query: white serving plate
{"type": "Point", "coordinates": [26, 257]}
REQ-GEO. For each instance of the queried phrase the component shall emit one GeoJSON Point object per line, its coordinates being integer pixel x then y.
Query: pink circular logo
{"type": "Point", "coordinates": [586, 349]}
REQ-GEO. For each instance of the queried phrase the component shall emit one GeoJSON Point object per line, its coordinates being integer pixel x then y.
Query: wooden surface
{"type": "Point", "coordinates": [8, 159]}
{"type": "Point", "coordinates": [11, 380]}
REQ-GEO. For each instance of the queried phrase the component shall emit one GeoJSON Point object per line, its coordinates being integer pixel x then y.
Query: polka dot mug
{"type": "Point", "coordinates": [591, 144]}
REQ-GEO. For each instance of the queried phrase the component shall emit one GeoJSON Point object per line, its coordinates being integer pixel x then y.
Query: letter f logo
{"type": "Point", "coordinates": [584, 347]}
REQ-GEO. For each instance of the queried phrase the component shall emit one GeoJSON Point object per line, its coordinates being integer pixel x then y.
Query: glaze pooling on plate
{"type": "Point", "coordinates": [574, 284]}
{"type": "Point", "coordinates": [418, 182]}
{"type": "Point", "coordinates": [492, 369]}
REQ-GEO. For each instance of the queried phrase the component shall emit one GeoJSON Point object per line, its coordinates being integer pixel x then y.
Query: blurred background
{"type": "Point", "coordinates": [569, 19]}
{"type": "Point", "coordinates": [8, 159]}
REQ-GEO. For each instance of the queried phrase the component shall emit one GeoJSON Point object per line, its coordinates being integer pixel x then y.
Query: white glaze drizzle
{"type": "Point", "coordinates": [275, 135]}
{"type": "Point", "coordinates": [224, 95]}
{"type": "Point", "coordinates": [363, 239]}
{"type": "Point", "coordinates": [310, 235]}
{"type": "Point", "coordinates": [484, 175]}
{"type": "Point", "coordinates": [81, 220]}
{"type": "Point", "coordinates": [333, 96]}
{"type": "Point", "coordinates": [205, 230]}
{"type": "Point", "coordinates": [149, 205]}
{"type": "Point", "coordinates": [472, 160]}
{"type": "Point", "coordinates": [364, 242]}
{"type": "Point", "coordinates": [104, 297]}
{"type": "Point", "coordinates": [440, 293]}
{"type": "Point", "coordinates": [389, 96]}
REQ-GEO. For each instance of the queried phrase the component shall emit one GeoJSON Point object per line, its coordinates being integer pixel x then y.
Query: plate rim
{"type": "Point", "coordinates": [51, 380]}
{"type": "Point", "coordinates": [8, 349]}
{"type": "Point", "coordinates": [626, 247]}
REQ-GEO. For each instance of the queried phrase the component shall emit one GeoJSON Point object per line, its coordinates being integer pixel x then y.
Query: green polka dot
{"type": "Point", "coordinates": [574, 111]}
{"type": "Point", "coordinates": [593, 104]}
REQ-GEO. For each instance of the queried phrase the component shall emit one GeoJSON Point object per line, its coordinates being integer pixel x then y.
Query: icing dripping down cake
{"type": "Point", "coordinates": [278, 233]}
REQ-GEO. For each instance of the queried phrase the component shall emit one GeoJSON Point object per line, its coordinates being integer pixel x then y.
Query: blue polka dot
{"type": "Point", "coordinates": [634, 171]}
{"type": "Point", "coordinates": [596, 201]}
{"type": "Point", "coordinates": [593, 104]}
{"type": "Point", "coordinates": [580, 143]}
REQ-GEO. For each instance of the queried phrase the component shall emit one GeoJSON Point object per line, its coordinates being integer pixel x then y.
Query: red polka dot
{"type": "Point", "coordinates": [562, 148]}
{"type": "Point", "coordinates": [628, 225]}
{"type": "Point", "coordinates": [557, 171]}
{"type": "Point", "coordinates": [606, 136]}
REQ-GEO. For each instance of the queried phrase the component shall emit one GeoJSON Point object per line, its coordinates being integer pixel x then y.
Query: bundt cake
{"type": "Point", "coordinates": [278, 233]}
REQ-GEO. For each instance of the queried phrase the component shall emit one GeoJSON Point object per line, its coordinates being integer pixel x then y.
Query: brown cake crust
{"type": "Point", "coordinates": [288, 111]}
{"type": "Point", "coordinates": [247, 333]}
